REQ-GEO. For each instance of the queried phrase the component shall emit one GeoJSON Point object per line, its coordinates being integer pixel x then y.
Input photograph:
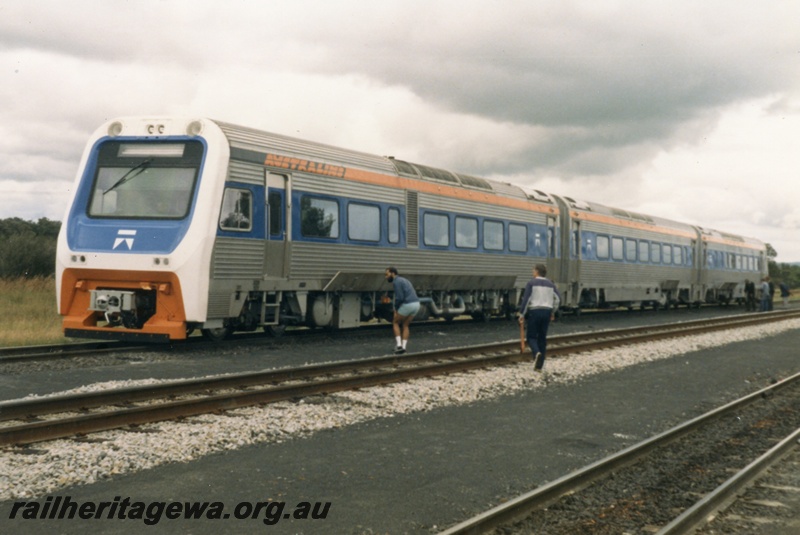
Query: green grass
{"type": "Point", "coordinates": [29, 314]}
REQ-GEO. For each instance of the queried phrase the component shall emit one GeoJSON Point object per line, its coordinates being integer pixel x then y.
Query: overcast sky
{"type": "Point", "coordinates": [681, 109]}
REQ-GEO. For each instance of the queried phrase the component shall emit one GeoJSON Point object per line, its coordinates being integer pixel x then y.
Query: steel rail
{"type": "Point", "coordinates": [49, 430]}
{"type": "Point", "coordinates": [520, 507]}
{"type": "Point", "coordinates": [720, 498]}
{"type": "Point", "coordinates": [60, 351]}
{"type": "Point", "coordinates": [460, 359]}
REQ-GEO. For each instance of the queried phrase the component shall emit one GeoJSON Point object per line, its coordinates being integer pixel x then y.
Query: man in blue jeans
{"type": "Point", "coordinates": [539, 303]}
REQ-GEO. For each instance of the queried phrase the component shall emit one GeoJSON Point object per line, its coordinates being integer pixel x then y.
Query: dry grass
{"type": "Point", "coordinates": [28, 312]}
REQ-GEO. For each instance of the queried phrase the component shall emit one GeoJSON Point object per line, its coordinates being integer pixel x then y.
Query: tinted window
{"type": "Point", "coordinates": [655, 253]}
{"type": "Point", "coordinates": [319, 218]}
{"type": "Point", "coordinates": [275, 201]}
{"type": "Point", "coordinates": [394, 225]}
{"type": "Point", "coordinates": [363, 222]}
{"type": "Point", "coordinates": [147, 180]}
{"type": "Point", "coordinates": [616, 248]}
{"type": "Point", "coordinates": [602, 247]}
{"type": "Point", "coordinates": [644, 251]}
{"type": "Point", "coordinates": [436, 230]}
{"type": "Point", "coordinates": [517, 238]}
{"type": "Point", "coordinates": [466, 232]}
{"type": "Point", "coordinates": [678, 255]}
{"type": "Point", "coordinates": [630, 250]}
{"type": "Point", "coordinates": [493, 236]}
{"type": "Point", "coordinates": [237, 210]}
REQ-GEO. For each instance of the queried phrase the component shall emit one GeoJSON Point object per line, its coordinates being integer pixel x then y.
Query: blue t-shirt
{"type": "Point", "coordinates": [403, 292]}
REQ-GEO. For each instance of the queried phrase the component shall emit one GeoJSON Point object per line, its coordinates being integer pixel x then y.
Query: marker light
{"type": "Point", "coordinates": [115, 129]}
{"type": "Point", "coordinates": [194, 128]}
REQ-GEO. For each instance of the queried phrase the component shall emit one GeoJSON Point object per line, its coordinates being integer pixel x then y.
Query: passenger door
{"type": "Point", "coordinates": [278, 195]}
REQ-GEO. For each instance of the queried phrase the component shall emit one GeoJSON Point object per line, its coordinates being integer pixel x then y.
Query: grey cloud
{"type": "Point", "coordinates": [621, 84]}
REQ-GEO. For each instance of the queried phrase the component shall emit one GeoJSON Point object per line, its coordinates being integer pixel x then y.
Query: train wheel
{"type": "Point", "coordinates": [482, 317]}
{"type": "Point", "coordinates": [217, 335]}
{"type": "Point", "coordinates": [274, 331]}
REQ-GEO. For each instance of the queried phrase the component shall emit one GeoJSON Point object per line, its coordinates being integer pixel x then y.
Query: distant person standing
{"type": "Point", "coordinates": [785, 293]}
{"type": "Point", "coordinates": [771, 293]}
{"type": "Point", "coordinates": [765, 295]}
{"type": "Point", "coordinates": [406, 306]}
{"type": "Point", "coordinates": [539, 303]}
{"type": "Point", "coordinates": [749, 296]}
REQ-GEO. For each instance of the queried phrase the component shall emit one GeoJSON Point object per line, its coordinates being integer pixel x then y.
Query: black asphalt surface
{"type": "Point", "coordinates": [421, 473]}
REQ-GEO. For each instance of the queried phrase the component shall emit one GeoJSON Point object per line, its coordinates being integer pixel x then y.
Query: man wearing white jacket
{"type": "Point", "coordinates": [539, 303]}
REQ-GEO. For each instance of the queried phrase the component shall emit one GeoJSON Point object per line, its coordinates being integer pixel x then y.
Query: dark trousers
{"type": "Point", "coordinates": [538, 323]}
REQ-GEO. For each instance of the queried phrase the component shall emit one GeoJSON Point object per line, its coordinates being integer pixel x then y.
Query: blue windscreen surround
{"type": "Point", "coordinates": [107, 233]}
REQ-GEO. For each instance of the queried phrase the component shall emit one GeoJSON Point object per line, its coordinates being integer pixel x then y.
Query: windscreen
{"type": "Point", "coordinates": [145, 180]}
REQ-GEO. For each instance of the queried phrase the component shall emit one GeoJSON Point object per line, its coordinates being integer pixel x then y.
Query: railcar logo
{"type": "Point", "coordinates": [296, 164]}
{"type": "Point", "coordinates": [126, 237]}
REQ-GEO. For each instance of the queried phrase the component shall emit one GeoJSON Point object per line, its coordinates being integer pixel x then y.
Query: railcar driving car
{"type": "Point", "coordinates": [179, 224]}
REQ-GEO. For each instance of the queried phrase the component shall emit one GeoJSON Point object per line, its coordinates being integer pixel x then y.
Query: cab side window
{"type": "Point", "coordinates": [237, 210]}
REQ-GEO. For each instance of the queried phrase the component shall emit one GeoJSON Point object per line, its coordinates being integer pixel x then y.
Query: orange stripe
{"type": "Point", "coordinates": [399, 182]}
{"type": "Point", "coordinates": [601, 218]}
{"type": "Point", "coordinates": [733, 243]}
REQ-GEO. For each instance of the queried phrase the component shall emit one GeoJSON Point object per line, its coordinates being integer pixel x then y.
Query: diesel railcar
{"type": "Point", "coordinates": [179, 224]}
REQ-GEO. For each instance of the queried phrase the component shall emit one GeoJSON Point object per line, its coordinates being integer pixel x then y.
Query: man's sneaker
{"type": "Point", "coordinates": [399, 350]}
{"type": "Point", "coordinates": [537, 370]}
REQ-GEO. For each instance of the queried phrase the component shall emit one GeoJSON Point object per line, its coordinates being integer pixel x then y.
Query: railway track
{"type": "Point", "coordinates": [22, 421]}
{"type": "Point", "coordinates": [62, 351]}
{"type": "Point", "coordinates": [771, 502]}
{"type": "Point", "coordinates": [671, 476]}
{"type": "Point", "coordinates": [30, 354]}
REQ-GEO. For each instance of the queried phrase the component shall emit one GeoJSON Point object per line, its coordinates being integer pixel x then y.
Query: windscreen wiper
{"type": "Point", "coordinates": [132, 173]}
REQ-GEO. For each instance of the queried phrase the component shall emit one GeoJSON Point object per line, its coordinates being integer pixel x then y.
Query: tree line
{"type": "Point", "coordinates": [28, 249]}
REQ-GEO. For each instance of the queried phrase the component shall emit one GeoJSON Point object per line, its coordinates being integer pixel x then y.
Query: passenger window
{"type": "Point", "coordinates": [574, 242]}
{"type": "Point", "coordinates": [394, 225]}
{"type": "Point", "coordinates": [517, 238]}
{"type": "Point", "coordinates": [275, 202]}
{"type": "Point", "coordinates": [630, 250]}
{"type": "Point", "coordinates": [678, 255]}
{"type": "Point", "coordinates": [436, 230]}
{"type": "Point", "coordinates": [493, 236]}
{"type": "Point", "coordinates": [616, 248]}
{"type": "Point", "coordinates": [363, 222]}
{"type": "Point", "coordinates": [466, 232]}
{"type": "Point", "coordinates": [602, 247]}
{"type": "Point", "coordinates": [667, 254]}
{"type": "Point", "coordinates": [237, 209]}
{"type": "Point", "coordinates": [319, 218]}
{"type": "Point", "coordinates": [655, 253]}
{"type": "Point", "coordinates": [644, 251]}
